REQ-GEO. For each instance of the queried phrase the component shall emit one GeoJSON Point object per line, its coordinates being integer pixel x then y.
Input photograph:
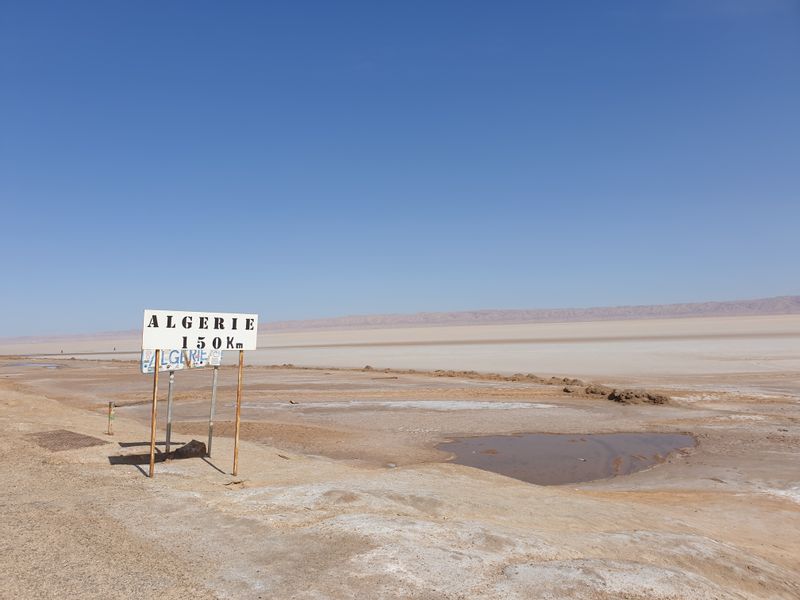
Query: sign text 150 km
{"type": "Point", "coordinates": [181, 330]}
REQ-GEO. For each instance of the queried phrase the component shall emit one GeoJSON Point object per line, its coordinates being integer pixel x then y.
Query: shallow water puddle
{"type": "Point", "coordinates": [555, 459]}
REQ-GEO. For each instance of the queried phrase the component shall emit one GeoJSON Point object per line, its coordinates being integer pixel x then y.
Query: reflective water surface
{"type": "Point", "coordinates": [554, 459]}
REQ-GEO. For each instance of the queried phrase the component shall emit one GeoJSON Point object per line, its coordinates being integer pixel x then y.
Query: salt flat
{"type": "Point", "coordinates": [756, 352]}
{"type": "Point", "coordinates": [344, 492]}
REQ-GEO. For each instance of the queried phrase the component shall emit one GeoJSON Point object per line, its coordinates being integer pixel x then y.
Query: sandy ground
{"type": "Point", "coordinates": [342, 492]}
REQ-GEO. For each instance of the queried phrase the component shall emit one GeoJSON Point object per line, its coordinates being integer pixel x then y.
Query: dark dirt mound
{"type": "Point", "coordinates": [637, 397]}
{"type": "Point", "coordinates": [624, 396]}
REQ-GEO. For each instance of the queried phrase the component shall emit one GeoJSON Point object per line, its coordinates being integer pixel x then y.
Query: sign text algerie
{"type": "Point", "coordinates": [182, 330]}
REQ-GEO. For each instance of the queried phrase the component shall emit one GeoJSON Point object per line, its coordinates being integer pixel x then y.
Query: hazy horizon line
{"type": "Point", "coordinates": [773, 305]}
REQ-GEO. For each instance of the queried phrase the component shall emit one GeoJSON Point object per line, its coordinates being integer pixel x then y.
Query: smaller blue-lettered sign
{"type": "Point", "coordinates": [175, 360]}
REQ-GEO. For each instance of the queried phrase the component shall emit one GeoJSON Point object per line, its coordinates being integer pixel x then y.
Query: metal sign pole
{"type": "Point", "coordinates": [153, 414]}
{"type": "Point", "coordinates": [238, 415]}
{"type": "Point", "coordinates": [213, 408]}
{"type": "Point", "coordinates": [169, 410]}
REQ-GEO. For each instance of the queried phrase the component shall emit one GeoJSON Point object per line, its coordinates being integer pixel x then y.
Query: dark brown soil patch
{"type": "Point", "coordinates": [63, 439]}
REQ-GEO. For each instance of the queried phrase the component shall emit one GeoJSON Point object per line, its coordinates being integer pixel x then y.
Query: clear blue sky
{"type": "Point", "coordinates": [307, 159]}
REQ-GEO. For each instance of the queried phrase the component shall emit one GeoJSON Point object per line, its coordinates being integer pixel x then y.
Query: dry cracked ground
{"type": "Point", "coordinates": [343, 494]}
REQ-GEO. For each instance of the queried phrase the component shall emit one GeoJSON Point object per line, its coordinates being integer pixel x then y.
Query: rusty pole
{"type": "Point", "coordinates": [238, 415]}
{"type": "Point", "coordinates": [110, 419]}
{"type": "Point", "coordinates": [153, 414]}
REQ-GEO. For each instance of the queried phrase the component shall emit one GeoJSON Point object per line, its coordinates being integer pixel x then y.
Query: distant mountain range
{"type": "Point", "coordinates": [781, 305]}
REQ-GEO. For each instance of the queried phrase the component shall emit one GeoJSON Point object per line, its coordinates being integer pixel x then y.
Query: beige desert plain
{"type": "Point", "coordinates": [343, 493]}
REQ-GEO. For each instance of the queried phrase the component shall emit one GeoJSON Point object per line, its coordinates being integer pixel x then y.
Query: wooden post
{"type": "Point", "coordinates": [238, 415]}
{"type": "Point", "coordinates": [211, 413]}
{"type": "Point", "coordinates": [153, 414]}
{"type": "Point", "coordinates": [110, 419]}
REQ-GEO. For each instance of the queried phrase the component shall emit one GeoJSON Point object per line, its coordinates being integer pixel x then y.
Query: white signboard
{"type": "Point", "coordinates": [182, 330]}
{"type": "Point", "coordinates": [175, 360]}
{"type": "Point", "coordinates": [215, 358]}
